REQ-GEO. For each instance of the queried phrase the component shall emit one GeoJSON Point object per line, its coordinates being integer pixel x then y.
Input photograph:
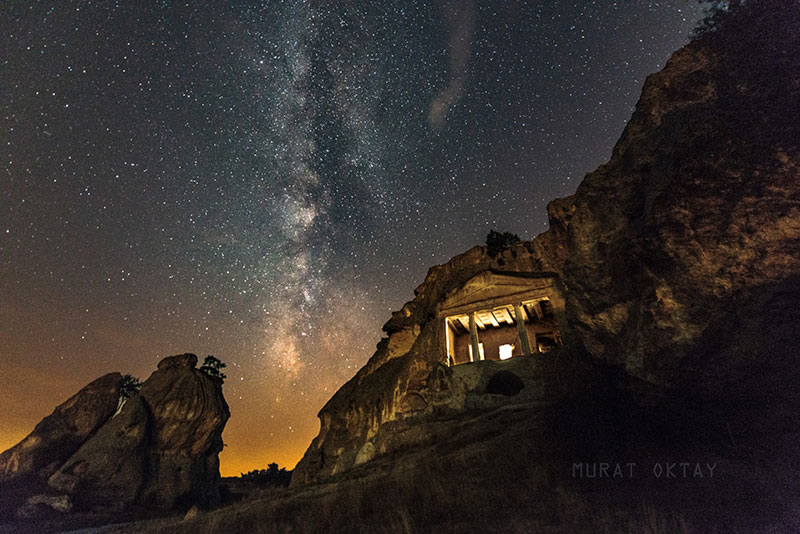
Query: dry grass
{"type": "Point", "coordinates": [501, 471]}
{"type": "Point", "coordinates": [501, 485]}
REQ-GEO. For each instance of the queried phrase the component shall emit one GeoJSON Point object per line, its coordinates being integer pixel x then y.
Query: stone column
{"type": "Point", "coordinates": [473, 338]}
{"type": "Point", "coordinates": [523, 333]}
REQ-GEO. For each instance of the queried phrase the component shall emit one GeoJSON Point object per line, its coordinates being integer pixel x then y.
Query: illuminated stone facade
{"type": "Point", "coordinates": [498, 315]}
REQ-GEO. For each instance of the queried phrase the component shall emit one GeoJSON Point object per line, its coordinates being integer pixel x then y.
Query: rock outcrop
{"type": "Point", "coordinates": [188, 415]}
{"type": "Point", "coordinates": [61, 433]}
{"type": "Point", "coordinates": [406, 376]}
{"type": "Point", "coordinates": [110, 469]}
{"type": "Point", "coordinates": [683, 227]}
{"type": "Point", "coordinates": [678, 259]}
{"type": "Point", "coordinates": [159, 450]}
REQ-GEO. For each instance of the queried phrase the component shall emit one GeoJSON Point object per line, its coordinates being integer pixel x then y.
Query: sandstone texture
{"type": "Point", "coordinates": [159, 451]}
{"type": "Point", "coordinates": [679, 261]}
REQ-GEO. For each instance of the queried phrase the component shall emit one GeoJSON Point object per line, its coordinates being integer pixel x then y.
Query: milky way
{"type": "Point", "coordinates": [265, 181]}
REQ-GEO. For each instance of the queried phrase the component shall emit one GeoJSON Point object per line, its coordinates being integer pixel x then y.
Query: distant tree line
{"type": "Point", "coordinates": [271, 476]}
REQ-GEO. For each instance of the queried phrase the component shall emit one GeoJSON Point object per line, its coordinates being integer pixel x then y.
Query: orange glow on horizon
{"type": "Point", "coordinates": [273, 411]}
{"type": "Point", "coordinates": [254, 437]}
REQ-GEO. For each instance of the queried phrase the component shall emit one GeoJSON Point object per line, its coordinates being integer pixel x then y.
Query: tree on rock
{"type": "Point", "coordinates": [213, 367]}
{"type": "Point", "coordinates": [496, 242]}
{"type": "Point", "coordinates": [130, 386]}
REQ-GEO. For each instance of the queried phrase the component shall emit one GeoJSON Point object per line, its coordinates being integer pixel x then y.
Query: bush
{"type": "Point", "coordinates": [130, 386]}
{"type": "Point", "coordinates": [213, 367]}
{"type": "Point", "coordinates": [496, 242]}
{"type": "Point", "coordinates": [272, 476]}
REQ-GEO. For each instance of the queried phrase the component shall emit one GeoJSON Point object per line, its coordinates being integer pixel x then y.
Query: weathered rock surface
{"type": "Point", "coordinates": [159, 451]}
{"type": "Point", "coordinates": [39, 505]}
{"type": "Point", "coordinates": [61, 433]}
{"type": "Point", "coordinates": [678, 259]}
{"type": "Point", "coordinates": [109, 469]}
{"type": "Point", "coordinates": [188, 415]}
{"type": "Point", "coordinates": [684, 225]}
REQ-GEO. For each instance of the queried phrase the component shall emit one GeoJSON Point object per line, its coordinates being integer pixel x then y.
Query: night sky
{"type": "Point", "coordinates": [266, 181]}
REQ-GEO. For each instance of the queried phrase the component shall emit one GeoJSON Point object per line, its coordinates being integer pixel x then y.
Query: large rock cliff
{"type": "Point", "coordinates": [158, 450]}
{"type": "Point", "coordinates": [678, 261]}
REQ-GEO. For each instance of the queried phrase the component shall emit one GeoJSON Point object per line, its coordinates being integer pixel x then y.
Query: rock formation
{"type": "Point", "coordinates": [160, 450]}
{"type": "Point", "coordinates": [61, 433]}
{"type": "Point", "coordinates": [678, 260]}
{"type": "Point", "coordinates": [407, 377]}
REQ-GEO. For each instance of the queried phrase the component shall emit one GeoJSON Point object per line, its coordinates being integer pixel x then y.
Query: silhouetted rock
{"type": "Point", "coordinates": [109, 470]}
{"type": "Point", "coordinates": [188, 414]}
{"type": "Point", "coordinates": [61, 433]}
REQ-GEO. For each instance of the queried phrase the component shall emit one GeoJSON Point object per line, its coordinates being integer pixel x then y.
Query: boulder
{"type": "Point", "coordinates": [61, 433]}
{"type": "Point", "coordinates": [160, 451]}
{"type": "Point", "coordinates": [188, 415]}
{"type": "Point", "coordinates": [109, 470]}
{"type": "Point", "coordinates": [157, 449]}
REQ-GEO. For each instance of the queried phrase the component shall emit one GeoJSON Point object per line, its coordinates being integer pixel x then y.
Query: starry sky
{"type": "Point", "coordinates": [265, 181]}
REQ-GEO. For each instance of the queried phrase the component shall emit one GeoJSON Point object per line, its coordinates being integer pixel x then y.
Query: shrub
{"type": "Point", "coordinates": [272, 476]}
{"type": "Point", "coordinates": [213, 367]}
{"type": "Point", "coordinates": [130, 386]}
{"type": "Point", "coordinates": [496, 242]}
